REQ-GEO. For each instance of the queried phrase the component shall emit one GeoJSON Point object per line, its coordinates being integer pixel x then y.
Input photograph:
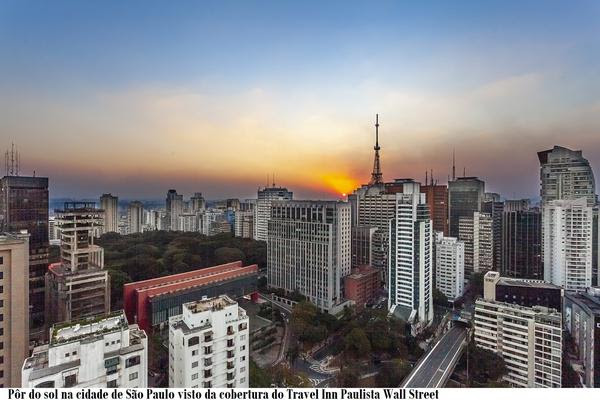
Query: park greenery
{"type": "Point", "coordinates": [486, 368]}
{"type": "Point", "coordinates": [159, 253]}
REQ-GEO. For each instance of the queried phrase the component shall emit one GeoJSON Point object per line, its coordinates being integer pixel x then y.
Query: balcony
{"type": "Point", "coordinates": [230, 365]}
{"type": "Point", "coordinates": [230, 376]}
{"type": "Point", "coordinates": [230, 343]}
{"type": "Point", "coordinates": [230, 331]}
{"type": "Point", "coordinates": [230, 354]}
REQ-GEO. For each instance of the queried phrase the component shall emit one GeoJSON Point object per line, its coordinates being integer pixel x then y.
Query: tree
{"type": "Point", "coordinates": [485, 366]}
{"type": "Point", "coordinates": [392, 373]}
{"type": "Point", "coordinates": [439, 298]}
{"type": "Point", "coordinates": [259, 378]}
{"type": "Point", "coordinates": [347, 377]}
{"type": "Point", "coordinates": [224, 255]}
{"type": "Point", "coordinates": [357, 343]}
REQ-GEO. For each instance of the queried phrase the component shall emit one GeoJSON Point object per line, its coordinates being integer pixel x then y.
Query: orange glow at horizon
{"type": "Point", "coordinates": [339, 183]}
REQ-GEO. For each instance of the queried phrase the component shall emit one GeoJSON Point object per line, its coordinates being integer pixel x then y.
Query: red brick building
{"type": "Point", "coordinates": [151, 302]}
{"type": "Point", "coordinates": [362, 285]}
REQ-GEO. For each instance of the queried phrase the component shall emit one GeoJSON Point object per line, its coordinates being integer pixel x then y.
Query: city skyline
{"type": "Point", "coordinates": [133, 99]}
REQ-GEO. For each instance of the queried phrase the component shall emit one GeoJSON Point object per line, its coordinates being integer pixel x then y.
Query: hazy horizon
{"type": "Point", "coordinates": [136, 98]}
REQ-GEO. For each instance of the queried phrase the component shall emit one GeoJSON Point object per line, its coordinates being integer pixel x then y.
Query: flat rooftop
{"type": "Point", "coordinates": [212, 304]}
{"type": "Point", "coordinates": [80, 329]}
{"type": "Point", "coordinates": [530, 283]}
{"type": "Point", "coordinates": [586, 300]}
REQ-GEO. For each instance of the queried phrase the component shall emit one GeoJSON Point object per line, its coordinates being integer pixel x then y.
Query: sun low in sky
{"type": "Point", "coordinates": [139, 97]}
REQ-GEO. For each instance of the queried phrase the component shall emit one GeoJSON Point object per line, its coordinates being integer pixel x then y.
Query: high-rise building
{"type": "Point", "coordinates": [263, 209]}
{"type": "Point", "coordinates": [174, 208]}
{"type": "Point", "coordinates": [483, 242]}
{"type": "Point", "coordinates": [567, 243]}
{"type": "Point", "coordinates": [110, 205]}
{"type": "Point", "coordinates": [78, 286]}
{"type": "Point", "coordinates": [476, 233]}
{"type": "Point", "coordinates": [410, 277]}
{"type": "Point", "coordinates": [437, 200]}
{"type": "Point", "coordinates": [493, 206]}
{"type": "Point", "coordinates": [465, 196]}
{"type": "Point", "coordinates": [24, 206]}
{"type": "Point", "coordinates": [581, 317]}
{"type": "Point", "coordinates": [449, 266]}
{"type": "Point", "coordinates": [308, 249]}
{"type": "Point", "coordinates": [523, 292]}
{"type": "Point", "coordinates": [188, 222]}
{"type": "Point", "coordinates": [566, 175]}
{"type": "Point", "coordinates": [529, 339]}
{"type": "Point", "coordinates": [209, 345]}
{"type": "Point", "coordinates": [197, 203]}
{"type": "Point", "coordinates": [90, 353]}
{"type": "Point", "coordinates": [244, 224]}
{"type": "Point", "coordinates": [135, 217]}
{"type": "Point", "coordinates": [362, 245]}
{"type": "Point", "coordinates": [14, 306]}
{"type": "Point", "coordinates": [522, 242]}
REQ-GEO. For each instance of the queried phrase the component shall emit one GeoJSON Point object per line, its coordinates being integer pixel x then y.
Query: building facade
{"type": "Point", "coordinates": [449, 266]}
{"type": "Point", "coordinates": [410, 284]}
{"type": "Point", "coordinates": [14, 306]}
{"type": "Point", "coordinates": [566, 175]}
{"type": "Point", "coordinates": [244, 224]}
{"type": "Point", "coordinates": [150, 303]}
{"type": "Point", "coordinates": [522, 243]}
{"type": "Point", "coordinates": [465, 196]}
{"type": "Point", "coordinates": [24, 206]}
{"type": "Point", "coordinates": [362, 285]}
{"type": "Point", "coordinates": [135, 217]}
{"type": "Point", "coordinates": [209, 345]}
{"type": "Point", "coordinates": [437, 200]}
{"type": "Point", "coordinates": [262, 211]}
{"type": "Point", "coordinates": [582, 320]}
{"type": "Point", "coordinates": [104, 352]}
{"type": "Point", "coordinates": [78, 286]}
{"type": "Point", "coordinates": [567, 246]}
{"type": "Point", "coordinates": [529, 339]}
{"type": "Point", "coordinates": [110, 205]}
{"type": "Point", "coordinates": [174, 208]}
{"type": "Point", "coordinates": [308, 249]}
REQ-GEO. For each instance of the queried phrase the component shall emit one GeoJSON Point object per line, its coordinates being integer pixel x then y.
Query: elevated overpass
{"type": "Point", "coordinates": [436, 366]}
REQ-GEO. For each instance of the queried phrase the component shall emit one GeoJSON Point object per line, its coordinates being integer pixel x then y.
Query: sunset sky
{"type": "Point", "coordinates": [136, 98]}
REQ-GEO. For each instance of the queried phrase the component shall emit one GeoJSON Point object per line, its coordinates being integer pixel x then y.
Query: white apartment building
{"type": "Point", "coordinates": [476, 233]}
{"type": "Point", "coordinates": [449, 266]}
{"type": "Point", "coordinates": [410, 283]}
{"type": "Point", "coordinates": [135, 217]}
{"type": "Point", "coordinates": [308, 249]}
{"type": "Point", "coordinates": [567, 244]}
{"type": "Point", "coordinates": [96, 352]}
{"type": "Point", "coordinates": [110, 205]}
{"type": "Point", "coordinates": [189, 222]}
{"type": "Point", "coordinates": [174, 208]}
{"type": "Point", "coordinates": [529, 339]}
{"type": "Point", "coordinates": [262, 211]}
{"type": "Point", "coordinates": [209, 345]}
{"type": "Point", "coordinates": [244, 224]}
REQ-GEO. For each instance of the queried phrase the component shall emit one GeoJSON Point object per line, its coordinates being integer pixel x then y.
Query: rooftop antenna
{"type": "Point", "coordinates": [273, 179]}
{"type": "Point", "coordinates": [376, 176]}
{"type": "Point", "coordinates": [426, 178]}
{"type": "Point", "coordinates": [12, 159]}
{"type": "Point", "coordinates": [431, 177]}
{"type": "Point", "coordinates": [464, 172]}
{"type": "Point", "coordinates": [453, 164]}
{"type": "Point", "coordinates": [6, 162]}
{"type": "Point", "coordinates": [18, 164]}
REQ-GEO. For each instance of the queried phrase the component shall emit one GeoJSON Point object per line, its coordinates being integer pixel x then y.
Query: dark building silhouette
{"type": "Point", "coordinates": [522, 244]}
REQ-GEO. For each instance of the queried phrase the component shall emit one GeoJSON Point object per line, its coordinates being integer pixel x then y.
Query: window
{"type": "Point", "coordinates": [133, 376]}
{"type": "Point", "coordinates": [1, 289]}
{"type": "Point", "coordinates": [194, 352]}
{"type": "Point", "coordinates": [1, 260]}
{"type": "Point", "coordinates": [195, 364]}
{"type": "Point", "coordinates": [74, 353]}
{"type": "Point", "coordinates": [71, 380]}
{"type": "Point", "coordinates": [193, 341]}
{"type": "Point", "coordinates": [1, 275]}
{"type": "Point", "coordinates": [131, 361]}
{"type": "Point", "coordinates": [194, 377]}
{"type": "Point", "coordinates": [111, 384]}
{"type": "Point", "coordinates": [67, 354]}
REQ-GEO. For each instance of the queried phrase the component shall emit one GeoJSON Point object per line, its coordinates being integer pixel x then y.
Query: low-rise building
{"type": "Point", "coordinates": [529, 339]}
{"type": "Point", "coordinates": [209, 345]}
{"type": "Point", "coordinates": [95, 352]}
{"type": "Point", "coordinates": [582, 321]}
{"type": "Point", "coordinates": [362, 285]}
